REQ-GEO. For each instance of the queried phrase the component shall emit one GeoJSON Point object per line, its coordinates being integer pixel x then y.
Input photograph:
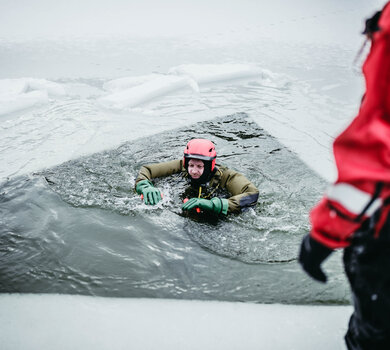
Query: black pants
{"type": "Point", "coordinates": [367, 265]}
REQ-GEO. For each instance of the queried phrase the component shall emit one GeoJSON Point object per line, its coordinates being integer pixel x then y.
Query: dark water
{"type": "Point", "coordinates": [79, 228]}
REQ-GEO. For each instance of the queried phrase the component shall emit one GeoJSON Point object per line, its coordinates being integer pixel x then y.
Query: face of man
{"type": "Point", "coordinates": [195, 168]}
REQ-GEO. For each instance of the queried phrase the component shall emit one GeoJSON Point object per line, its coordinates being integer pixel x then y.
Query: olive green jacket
{"type": "Point", "coordinates": [243, 192]}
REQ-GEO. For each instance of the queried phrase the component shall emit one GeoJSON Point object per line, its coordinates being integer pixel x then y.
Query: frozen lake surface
{"type": "Point", "coordinates": [83, 106]}
{"type": "Point", "coordinates": [106, 323]}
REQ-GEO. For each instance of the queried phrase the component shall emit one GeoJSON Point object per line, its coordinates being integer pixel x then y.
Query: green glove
{"type": "Point", "coordinates": [152, 195]}
{"type": "Point", "coordinates": [215, 205]}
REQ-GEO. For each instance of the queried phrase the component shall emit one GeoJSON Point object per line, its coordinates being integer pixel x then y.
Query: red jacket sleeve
{"type": "Point", "coordinates": [362, 151]}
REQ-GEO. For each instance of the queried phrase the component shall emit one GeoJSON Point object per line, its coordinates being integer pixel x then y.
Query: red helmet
{"type": "Point", "coordinates": [200, 149]}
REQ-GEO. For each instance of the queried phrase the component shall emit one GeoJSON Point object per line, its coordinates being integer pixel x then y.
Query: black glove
{"type": "Point", "coordinates": [372, 24]}
{"type": "Point", "coordinates": [311, 256]}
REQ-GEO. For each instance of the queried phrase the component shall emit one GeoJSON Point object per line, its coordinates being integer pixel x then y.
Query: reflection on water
{"type": "Point", "coordinates": [80, 227]}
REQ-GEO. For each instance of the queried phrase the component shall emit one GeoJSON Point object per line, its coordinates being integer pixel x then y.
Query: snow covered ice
{"type": "Point", "coordinates": [20, 94]}
{"type": "Point", "coordinates": [104, 323]}
{"type": "Point", "coordinates": [78, 78]}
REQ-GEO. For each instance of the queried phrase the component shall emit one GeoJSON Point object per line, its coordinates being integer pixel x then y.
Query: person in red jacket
{"type": "Point", "coordinates": [355, 212]}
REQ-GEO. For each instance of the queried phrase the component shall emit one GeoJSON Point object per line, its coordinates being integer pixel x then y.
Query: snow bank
{"type": "Point", "coordinates": [80, 322]}
{"type": "Point", "coordinates": [148, 88]}
{"type": "Point", "coordinates": [129, 82]}
{"type": "Point", "coordinates": [132, 91]}
{"type": "Point", "coordinates": [12, 86]}
{"type": "Point", "coordinates": [213, 73]}
{"type": "Point", "coordinates": [19, 94]}
{"type": "Point", "coordinates": [53, 89]}
{"type": "Point", "coordinates": [17, 102]}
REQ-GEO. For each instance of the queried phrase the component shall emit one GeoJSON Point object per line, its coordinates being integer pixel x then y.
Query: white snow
{"type": "Point", "coordinates": [212, 73]}
{"type": "Point", "coordinates": [23, 93]}
{"type": "Point", "coordinates": [129, 82]}
{"type": "Point", "coordinates": [62, 322]}
{"type": "Point", "coordinates": [12, 86]}
{"type": "Point", "coordinates": [45, 121]}
{"type": "Point", "coordinates": [133, 91]}
{"type": "Point", "coordinates": [16, 102]}
{"type": "Point", "coordinates": [53, 89]}
{"type": "Point", "coordinates": [146, 91]}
